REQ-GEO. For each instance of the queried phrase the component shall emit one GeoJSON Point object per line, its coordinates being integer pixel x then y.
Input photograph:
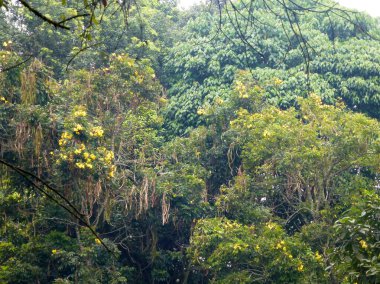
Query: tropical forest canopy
{"type": "Point", "coordinates": [234, 142]}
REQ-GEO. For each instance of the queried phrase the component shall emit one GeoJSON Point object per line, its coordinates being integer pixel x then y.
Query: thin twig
{"type": "Point", "coordinates": [42, 16]}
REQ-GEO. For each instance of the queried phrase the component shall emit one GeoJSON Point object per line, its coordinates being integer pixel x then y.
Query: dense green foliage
{"type": "Point", "coordinates": [230, 144]}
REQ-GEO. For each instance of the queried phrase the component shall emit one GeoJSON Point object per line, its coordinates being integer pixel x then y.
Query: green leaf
{"type": "Point", "coordinates": [94, 20]}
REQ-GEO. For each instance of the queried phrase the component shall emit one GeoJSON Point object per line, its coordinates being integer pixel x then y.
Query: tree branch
{"type": "Point", "coordinates": [70, 208]}
{"type": "Point", "coordinates": [42, 16]}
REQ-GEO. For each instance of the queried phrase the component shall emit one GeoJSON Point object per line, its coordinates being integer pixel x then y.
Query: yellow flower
{"type": "Point", "coordinates": [97, 131]}
{"type": "Point", "coordinates": [54, 251]}
{"type": "Point", "coordinates": [86, 155]}
{"type": "Point", "coordinates": [197, 154]}
{"type": "Point", "coordinates": [277, 81]}
{"type": "Point", "coordinates": [78, 128]}
{"type": "Point", "coordinates": [4, 100]}
{"type": "Point", "coordinates": [66, 135]}
{"type": "Point", "coordinates": [318, 257]}
{"type": "Point", "coordinates": [63, 157]}
{"type": "Point", "coordinates": [163, 100]}
{"type": "Point", "coordinates": [92, 157]}
{"type": "Point", "coordinates": [243, 95]}
{"type": "Point", "coordinates": [270, 225]}
{"type": "Point", "coordinates": [201, 111]}
{"type": "Point", "coordinates": [97, 241]}
{"type": "Point", "coordinates": [109, 157]}
{"type": "Point", "coordinates": [80, 165]}
{"type": "Point", "coordinates": [78, 151]}
{"type": "Point", "coordinates": [111, 174]}
{"type": "Point", "coordinates": [80, 113]}
{"type": "Point", "coordinates": [257, 88]}
{"type": "Point", "coordinates": [242, 112]}
{"type": "Point", "coordinates": [88, 165]}
{"type": "Point", "coordinates": [236, 246]}
{"type": "Point", "coordinates": [300, 267]}
{"type": "Point", "coordinates": [219, 101]}
{"type": "Point", "coordinates": [363, 244]}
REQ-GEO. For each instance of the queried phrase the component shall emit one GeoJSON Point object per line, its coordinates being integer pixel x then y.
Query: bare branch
{"type": "Point", "coordinates": [42, 16]}
{"type": "Point", "coordinates": [69, 207]}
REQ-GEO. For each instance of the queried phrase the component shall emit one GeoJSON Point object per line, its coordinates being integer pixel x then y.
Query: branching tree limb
{"type": "Point", "coordinates": [42, 16]}
{"type": "Point", "coordinates": [55, 196]}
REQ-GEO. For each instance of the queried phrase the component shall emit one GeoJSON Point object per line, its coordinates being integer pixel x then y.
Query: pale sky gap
{"type": "Point", "coordinates": [372, 7]}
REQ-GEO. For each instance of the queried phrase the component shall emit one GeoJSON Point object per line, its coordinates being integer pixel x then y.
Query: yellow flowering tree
{"type": "Point", "coordinates": [111, 121]}
{"type": "Point", "coordinates": [229, 252]}
{"type": "Point", "coordinates": [300, 152]}
{"type": "Point", "coordinates": [80, 147]}
{"type": "Point", "coordinates": [84, 160]}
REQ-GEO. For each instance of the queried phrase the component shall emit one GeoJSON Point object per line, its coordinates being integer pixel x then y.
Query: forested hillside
{"type": "Point", "coordinates": [234, 142]}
